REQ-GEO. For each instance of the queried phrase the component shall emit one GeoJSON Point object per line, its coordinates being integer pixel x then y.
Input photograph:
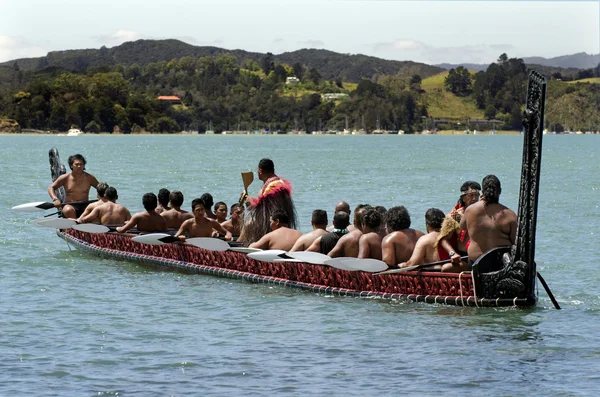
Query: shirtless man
{"type": "Point", "coordinates": [281, 237]}
{"type": "Point", "coordinates": [148, 221]}
{"type": "Point", "coordinates": [176, 216]}
{"type": "Point", "coordinates": [369, 244]}
{"type": "Point", "coordinates": [327, 242]}
{"type": "Point", "coordinates": [234, 223]}
{"type": "Point", "coordinates": [109, 213]}
{"type": "Point", "coordinates": [208, 200]}
{"type": "Point", "coordinates": [220, 216]}
{"type": "Point", "coordinates": [319, 223]}
{"type": "Point", "coordinates": [200, 225]}
{"type": "Point", "coordinates": [220, 211]}
{"type": "Point", "coordinates": [100, 190]}
{"type": "Point", "coordinates": [77, 185]}
{"type": "Point", "coordinates": [398, 246]}
{"type": "Point", "coordinates": [489, 223]}
{"type": "Point", "coordinates": [163, 200]}
{"type": "Point", "coordinates": [425, 249]}
{"type": "Point", "coordinates": [347, 245]}
{"type": "Point", "coordinates": [343, 207]}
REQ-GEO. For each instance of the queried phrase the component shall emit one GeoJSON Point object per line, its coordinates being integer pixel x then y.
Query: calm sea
{"type": "Point", "coordinates": [76, 325]}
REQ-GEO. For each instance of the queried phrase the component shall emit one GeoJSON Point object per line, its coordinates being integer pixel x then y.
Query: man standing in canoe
{"type": "Point", "coordinates": [275, 194]}
{"type": "Point", "coordinates": [489, 223]}
{"type": "Point", "coordinates": [77, 185]}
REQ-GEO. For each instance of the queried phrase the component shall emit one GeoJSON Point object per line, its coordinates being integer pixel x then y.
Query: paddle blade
{"type": "Point", "coordinates": [33, 207]}
{"type": "Point", "coordinates": [366, 265]}
{"type": "Point", "coordinates": [338, 263]}
{"type": "Point", "coordinates": [152, 239]}
{"type": "Point", "coordinates": [315, 258]}
{"type": "Point", "coordinates": [244, 250]}
{"type": "Point", "coordinates": [267, 255]}
{"type": "Point", "coordinates": [91, 228]}
{"type": "Point", "coordinates": [57, 223]}
{"type": "Point", "coordinates": [208, 243]}
{"type": "Point", "coordinates": [247, 178]}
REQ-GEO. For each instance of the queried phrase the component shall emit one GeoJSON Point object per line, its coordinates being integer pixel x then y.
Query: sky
{"type": "Point", "coordinates": [431, 32]}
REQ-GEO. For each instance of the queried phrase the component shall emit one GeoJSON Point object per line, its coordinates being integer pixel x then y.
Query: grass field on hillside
{"type": "Point", "coordinates": [593, 80]}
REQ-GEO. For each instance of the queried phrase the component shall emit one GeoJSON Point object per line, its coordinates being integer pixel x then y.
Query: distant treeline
{"type": "Point", "coordinates": [222, 92]}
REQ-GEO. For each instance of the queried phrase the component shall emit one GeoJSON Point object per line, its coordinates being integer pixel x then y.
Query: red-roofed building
{"type": "Point", "coordinates": [169, 98]}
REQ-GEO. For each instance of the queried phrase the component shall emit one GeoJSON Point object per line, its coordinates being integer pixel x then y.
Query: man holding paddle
{"type": "Point", "coordinates": [275, 194]}
{"type": "Point", "coordinates": [77, 185]}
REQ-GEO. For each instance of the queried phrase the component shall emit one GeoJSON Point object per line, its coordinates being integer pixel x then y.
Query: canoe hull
{"type": "Point", "coordinates": [429, 287]}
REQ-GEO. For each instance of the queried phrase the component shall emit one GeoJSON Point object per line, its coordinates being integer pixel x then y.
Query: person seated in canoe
{"type": "Point", "coordinates": [208, 200]}
{"type": "Point", "coordinates": [200, 225]}
{"type": "Point", "coordinates": [342, 206]}
{"type": "Point", "coordinates": [220, 209]}
{"type": "Point", "coordinates": [453, 241]}
{"type": "Point", "coordinates": [281, 237]}
{"type": "Point", "coordinates": [147, 221]}
{"type": "Point", "coordinates": [176, 216]}
{"type": "Point", "coordinates": [234, 224]}
{"type": "Point", "coordinates": [100, 190]}
{"type": "Point", "coordinates": [489, 223]}
{"type": "Point", "coordinates": [327, 242]}
{"type": "Point", "coordinates": [347, 245]}
{"type": "Point", "coordinates": [383, 227]}
{"type": "Point", "coordinates": [369, 244]}
{"type": "Point", "coordinates": [109, 213]}
{"type": "Point", "coordinates": [77, 185]}
{"type": "Point", "coordinates": [399, 244]}
{"type": "Point", "coordinates": [163, 200]}
{"type": "Point", "coordinates": [275, 194]}
{"type": "Point", "coordinates": [319, 224]}
{"type": "Point", "coordinates": [426, 249]}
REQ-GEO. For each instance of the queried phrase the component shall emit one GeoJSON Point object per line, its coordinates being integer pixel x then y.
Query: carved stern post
{"type": "Point", "coordinates": [509, 272]}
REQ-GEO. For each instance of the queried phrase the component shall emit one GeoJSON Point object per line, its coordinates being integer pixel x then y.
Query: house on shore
{"type": "Point", "coordinates": [171, 99]}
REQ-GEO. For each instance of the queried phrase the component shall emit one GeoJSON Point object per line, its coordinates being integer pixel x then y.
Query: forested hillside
{"type": "Point", "coordinates": [223, 91]}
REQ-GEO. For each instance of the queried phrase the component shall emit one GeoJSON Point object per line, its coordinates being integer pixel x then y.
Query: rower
{"type": "Point", "coordinates": [163, 200]}
{"type": "Point", "coordinates": [176, 216]}
{"type": "Point", "coordinates": [281, 237]}
{"type": "Point", "coordinates": [319, 224]}
{"type": "Point", "coordinates": [369, 244]}
{"type": "Point", "coordinates": [200, 225]}
{"type": "Point", "coordinates": [109, 213]}
{"type": "Point", "coordinates": [148, 221]}
{"type": "Point", "coordinates": [399, 244]}
{"type": "Point", "coordinates": [426, 250]}
{"type": "Point", "coordinates": [100, 190]}
{"type": "Point", "coordinates": [77, 185]}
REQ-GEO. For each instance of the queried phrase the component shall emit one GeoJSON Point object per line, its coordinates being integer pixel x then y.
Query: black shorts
{"type": "Point", "coordinates": [79, 208]}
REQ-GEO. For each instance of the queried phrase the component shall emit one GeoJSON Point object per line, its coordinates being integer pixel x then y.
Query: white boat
{"type": "Point", "coordinates": [74, 132]}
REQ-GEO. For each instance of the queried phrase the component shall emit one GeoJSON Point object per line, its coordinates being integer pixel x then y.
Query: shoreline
{"type": "Point", "coordinates": [444, 133]}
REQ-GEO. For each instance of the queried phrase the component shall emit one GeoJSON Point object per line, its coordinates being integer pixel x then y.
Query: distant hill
{"type": "Point", "coordinates": [574, 62]}
{"type": "Point", "coordinates": [543, 69]}
{"type": "Point", "coordinates": [580, 60]}
{"type": "Point", "coordinates": [330, 65]}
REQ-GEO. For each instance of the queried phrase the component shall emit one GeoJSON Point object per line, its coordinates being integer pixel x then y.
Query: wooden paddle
{"type": "Point", "coordinates": [247, 178]}
{"type": "Point", "coordinates": [42, 206]}
{"type": "Point", "coordinates": [417, 267]}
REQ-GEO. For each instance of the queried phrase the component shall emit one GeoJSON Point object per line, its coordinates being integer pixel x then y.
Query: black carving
{"type": "Point", "coordinates": [513, 273]}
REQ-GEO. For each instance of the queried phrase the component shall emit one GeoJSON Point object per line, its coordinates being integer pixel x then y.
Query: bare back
{"type": "Point", "coordinates": [369, 246]}
{"type": "Point", "coordinates": [347, 245]}
{"type": "Point", "coordinates": [149, 222]}
{"type": "Point", "coordinates": [283, 238]}
{"type": "Point", "coordinates": [489, 226]}
{"type": "Point", "coordinates": [398, 246]}
{"type": "Point", "coordinates": [176, 217]}
{"type": "Point", "coordinates": [111, 213]}
{"type": "Point", "coordinates": [305, 241]}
